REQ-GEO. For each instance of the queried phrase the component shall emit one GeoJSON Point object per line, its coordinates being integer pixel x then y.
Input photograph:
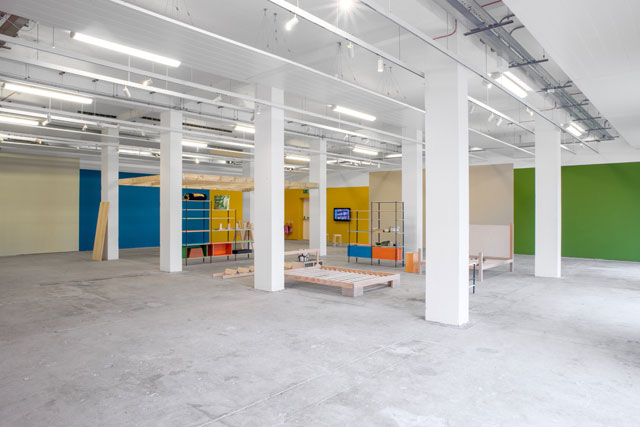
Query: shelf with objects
{"type": "Point", "coordinates": [212, 230]}
{"type": "Point", "coordinates": [384, 225]}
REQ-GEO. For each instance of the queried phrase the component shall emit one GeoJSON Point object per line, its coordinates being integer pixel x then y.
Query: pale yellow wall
{"type": "Point", "coordinates": [491, 194]}
{"type": "Point", "coordinates": [39, 204]}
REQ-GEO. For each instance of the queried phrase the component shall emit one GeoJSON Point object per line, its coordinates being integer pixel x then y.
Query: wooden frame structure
{"type": "Point", "coordinates": [211, 182]}
{"type": "Point", "coordinates": [351, 281]}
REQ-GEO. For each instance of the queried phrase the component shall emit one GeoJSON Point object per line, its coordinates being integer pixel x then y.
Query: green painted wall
{"type": "Point", "coordinates": [600, 211]}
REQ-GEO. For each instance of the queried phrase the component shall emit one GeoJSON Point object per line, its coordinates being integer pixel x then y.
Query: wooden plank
{"type": "Point", "coordinates": [101, 231]}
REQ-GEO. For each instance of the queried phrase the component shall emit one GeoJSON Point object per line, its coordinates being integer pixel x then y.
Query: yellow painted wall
{"type": "Point", "coordinates": [235, 202]}
{"type": "Point", "coordinates": [356, 198]}
{"type": "Point", "coordinates": [39, 207]}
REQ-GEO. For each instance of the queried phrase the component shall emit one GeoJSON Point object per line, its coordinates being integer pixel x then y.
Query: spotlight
{"type": "Point", "coordinates": [499, 122]}
{"type": "Point", "coordinates": [380, 65]}
{"type": "Point", "coordinates": [291, 23]}
{"type": "Point", "coordinates": [84, 127]}
{"type": "Point", "coordinates": [345, 5]}
{"type": "Point", "coordinates": [126, 91]}
{"type": "Point", "coordinates": [351, 51]}
{"type": "Point", "coordinates": [217, 98]}
{"type": "Point", "coordinates": [530, 111]}
{"type": "Point", "coordinates": [147, 82]}
{"type": "Point", "coordinates": [197, 160]}
{"type": "Point", "coordinates": [491, 117]}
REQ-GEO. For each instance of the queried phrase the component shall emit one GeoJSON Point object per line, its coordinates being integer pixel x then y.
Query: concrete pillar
{"type": "Point", "coordinates": [171, 191]}
{"type": "Point", "coordinates": [247, 196]}
{"type": "Point", "coordinates": [447, 195]}
{"type": "Point", "coordinates": [109, 191]}
{"type": "Point", "coordinates": [318, 197]}
{"type": "Point", "coordinates": [412, 193]}
{"type": "Point", "coordinates": [548, 199]}
{"type": "Point", "coordinates": [269, 193]}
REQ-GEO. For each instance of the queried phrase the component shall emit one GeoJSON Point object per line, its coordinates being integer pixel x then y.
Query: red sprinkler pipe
{"type": "Point", "coordinates": [490, 3]}
{"type": "Point", "coordinates": [455, 30]}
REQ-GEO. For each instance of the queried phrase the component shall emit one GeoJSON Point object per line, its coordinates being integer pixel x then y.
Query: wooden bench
{"type": "Point", "coordinates": [351, 281]}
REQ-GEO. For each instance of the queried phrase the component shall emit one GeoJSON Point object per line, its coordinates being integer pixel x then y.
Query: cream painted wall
{"type": "Point", "coordinates": [490, 193]}
{"type": "Point", "coordinates": [40, 204]}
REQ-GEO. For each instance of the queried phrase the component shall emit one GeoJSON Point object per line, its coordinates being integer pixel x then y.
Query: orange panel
{"type": "Point", "coordinates": [386, 253]}
{"type": "Point", "coordinates": [221, 249]}
{"type": "Point", "coordinates": [412, 263]}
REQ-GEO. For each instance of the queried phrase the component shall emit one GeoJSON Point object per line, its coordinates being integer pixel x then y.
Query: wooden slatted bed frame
{"type": "Point", "coordinates": [351, 281]}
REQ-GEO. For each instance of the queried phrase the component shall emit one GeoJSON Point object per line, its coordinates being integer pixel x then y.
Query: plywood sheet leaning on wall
{"type": "Point", "coordinates": [101, 231]}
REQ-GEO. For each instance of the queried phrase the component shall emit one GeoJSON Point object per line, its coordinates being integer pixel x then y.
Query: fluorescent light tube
{"type": "Point", "coordinates": [511, 86]}
{"type": "Point", "coordinates": [578, 127]}
{"type": "Point", "coordinates": [517, 81]}
{"type": "Point", "coordinates": [18, 121]}
{"type": "Point", "coordinates": [195, 144]}
{"type": "Point", "coordinates": [243, 128]}
{"type": "Point", "coordinates": [135, 152]}
{"type": "Point", "coordinates": [365, 151]}
{"type": "Point", "coordinates": [52, 118]}
{"type": "Point", "coordinates": [476, 149]}
{"type": "Point", "coordinates": [573, 131]}
{"type": "Point", "coordinates": [354, 113]}
{"type": "Point", "coordinates": [127, 50]}
{"type": "Point", "coordinates": [234, 144]}
{"type": "Point", "coordinates": [291, 23]}
{"type": "Point", "coordinates": [47, 93]}
{"type": "Point", "coordinates": [394, 156]}
{"type": "Point", "coordinates": [17, 138]}
{"type": "Point", "coordinates": [297, 158]}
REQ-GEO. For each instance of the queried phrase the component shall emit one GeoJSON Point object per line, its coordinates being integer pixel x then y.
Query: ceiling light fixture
{"type": "Point", "coordinates": [17, 138]}
{"type": "Point", "coordinates": [573, 130]}
{"type": "Point", "coordinates": [499, 122]}
{"type": "Point", "coordinates": [394, 155]}
{"type": "Point", "coordinates": [147, 82]}
{"type": "Point", "coordinates": [217, 99]}
{"type": "Point", "coordinates": [244, 128]}
{"type": "Point", "coordinates": [297, 158]}
{"type": "Point", "coordinates": [529, 111]}
{"type": "Point", "coordinates": [234, 144]}
{"type": "Point", "coordinates": [291, 23]}
{"type": "Point", "coordinates": [491, 117]}
{"type": "Point", "coordinates": [351, 50]}
{"type": "Point", "coordinates": [487, 83]}
{"type": "Point", "coordinates": [18, 121]}
{"type": "Point", "coordinates": [193, 143]}
{"type": "Point", "coordinates": [50, 117]}
{"type": "Point", "coordinates": [354, 113]}
{"type": "Point", "coordinates": [476, 149]}
{"type": "Point", "coordinates": [366, 151]}
{"type": "Point", "coordinates": [126, 91]}
{"type": "Point", "coordinates": [380, 65]}
{"type": "Point", "coordinates": [512, 83]}
{"type": "Point", "coordinates": [48, 93]}
{"type": "Point", "coordinates": [127, 50]}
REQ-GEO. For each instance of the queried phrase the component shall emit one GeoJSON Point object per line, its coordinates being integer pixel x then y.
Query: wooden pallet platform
{"type": "Point", "coordinates": [351, 281]}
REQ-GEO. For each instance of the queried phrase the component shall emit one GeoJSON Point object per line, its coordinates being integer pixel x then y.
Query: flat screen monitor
{"type": "Point", "coordinates": [341, 214]}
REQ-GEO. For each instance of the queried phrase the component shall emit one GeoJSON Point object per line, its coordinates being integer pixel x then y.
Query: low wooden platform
{"type": "Point", "coordinates": [351, 281]}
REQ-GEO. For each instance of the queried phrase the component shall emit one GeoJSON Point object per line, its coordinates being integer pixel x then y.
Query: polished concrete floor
{"type": "Point", "coordinates": [121, 344]}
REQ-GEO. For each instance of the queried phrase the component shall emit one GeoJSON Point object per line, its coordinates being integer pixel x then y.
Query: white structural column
{"type": "Point", "coordinates": [548, 199]}
{"type": "Point", "coordinates": [447, 195]}
{"type": "Point", "coordinates": [318, 197]}
{"type": "Point", "coordinates": [109, 191]}
{"type": "Point", "coordinates": [171, 191]}
{"type": "Point", "coordinates": [247, 196]}
{"type": "Point", "coordinates": [269, 193]}
{"type": "Point", "coordinates": [412, 193]}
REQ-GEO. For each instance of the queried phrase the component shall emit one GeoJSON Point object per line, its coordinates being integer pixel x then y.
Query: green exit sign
{"type": "Point", "coordinates": [305, 191]}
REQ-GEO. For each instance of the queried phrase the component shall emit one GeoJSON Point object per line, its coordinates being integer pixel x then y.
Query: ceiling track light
{"type": "Point", "coordinates": [217, 99]}
{"type": "Point", "coordinates": [127, 50]}
{"type": "Point", "coordinates": [19, 121]}
{"type": "Point", "coordinates": [499, 122]}
{"type": "Point", "coordinates": [47, 93]}
{"type": "Point", "coordinates": [491, 117]}
{"type": "Point", "coordinates": [147, 82]}
{"type": "Point", "coordinates": [351, 50]}
{"type": "Point", "coordinates": [380, 65]}
{"type": "Point", "coordinates": [291, 23]}
{"type": "Point", "coordinates": [126, 91]}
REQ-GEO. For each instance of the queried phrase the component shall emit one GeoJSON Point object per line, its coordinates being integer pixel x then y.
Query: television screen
{"type": "Point", "coordinates": [341, 214]}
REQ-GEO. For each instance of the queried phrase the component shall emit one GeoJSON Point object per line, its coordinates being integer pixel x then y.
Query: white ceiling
{"type": "Point", "coordinates": [597, 43]}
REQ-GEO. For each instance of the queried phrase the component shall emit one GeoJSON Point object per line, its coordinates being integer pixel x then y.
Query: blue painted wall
{"type": "Point", "coordinates": [139, 213]}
